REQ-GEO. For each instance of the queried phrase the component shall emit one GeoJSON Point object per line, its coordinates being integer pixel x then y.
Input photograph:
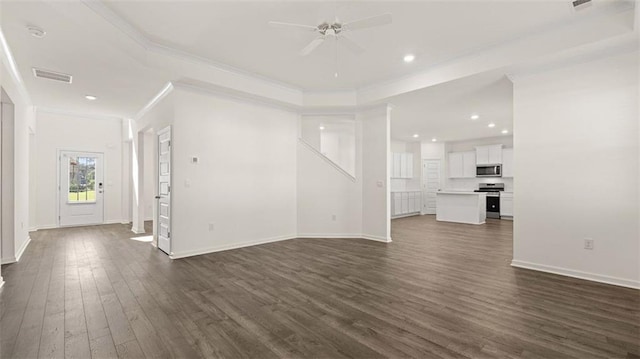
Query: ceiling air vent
{"type": "Point", "coordinates": [580, 4]}
{"type": "Point", "coordinates": [51, 75]}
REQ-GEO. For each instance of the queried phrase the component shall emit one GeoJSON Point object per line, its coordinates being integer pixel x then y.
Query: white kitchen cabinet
{"type": "Point", "coordinates": [489, 155]}
{"type": "Point", "coordinates": [507, 162]}
{"type": "Point", "coordinates": [395, 173]}
{"type": "Point", "coordinates": [456, 165]}
{"type": "Point", "coordinates": [405, 203]}
{"type": "Point", "coordinates": [506, 204]}
{"type": "Point", "coordinates": [462, 164]}
{"type": "Point", "coordinates": [402, 165]}
{"type": "Point", "coordinates": [469, 164]}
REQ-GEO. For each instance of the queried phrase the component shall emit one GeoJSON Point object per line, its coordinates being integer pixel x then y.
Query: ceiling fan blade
{"type": "Point", "coordinates": [290, 25]}
{"type": "Point", "coordinates": [312, 46]}
{"type": "Point", "coordinates": [350, 44]}
{"type": "Point", "coordinates": [377, 20]}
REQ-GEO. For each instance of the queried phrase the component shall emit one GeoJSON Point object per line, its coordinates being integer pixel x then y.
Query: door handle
{"type": "Point", "coordinates": [158, 197]}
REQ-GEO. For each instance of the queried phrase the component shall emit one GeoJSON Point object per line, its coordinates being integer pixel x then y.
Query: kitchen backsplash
{"type": "Point", "coordinates": [469, 184]}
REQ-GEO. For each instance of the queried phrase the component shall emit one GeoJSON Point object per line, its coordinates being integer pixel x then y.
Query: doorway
{"type": "Point", "coordinates": [81, 188]}
{"type": "Point", "coordinates": [430, 185]}
{"type": "Point", "coordinates": [163, 221]}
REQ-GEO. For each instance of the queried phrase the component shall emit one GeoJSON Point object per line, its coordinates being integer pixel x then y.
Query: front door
{"type": "Point", "coordinates": [164, 187]}
{"type": "Point", "coordinates": [81, 188]}
{"type": "Point", "coordinates": [430, 185]}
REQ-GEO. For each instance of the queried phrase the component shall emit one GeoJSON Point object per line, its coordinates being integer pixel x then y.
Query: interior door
{"type": "Point", "coordinates": [163, 221]}
{"type": "Point", "coordinates": [430, 185]}
{"type": "Point", "coordinates": [81, 188]}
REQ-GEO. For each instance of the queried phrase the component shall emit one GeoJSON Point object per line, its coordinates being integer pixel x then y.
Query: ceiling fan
{"type": "Point", "coordinates": [336, 30]}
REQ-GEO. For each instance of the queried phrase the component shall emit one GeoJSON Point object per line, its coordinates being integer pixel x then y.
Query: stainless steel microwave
{"type": "Point", "coordinates": [489, 171]}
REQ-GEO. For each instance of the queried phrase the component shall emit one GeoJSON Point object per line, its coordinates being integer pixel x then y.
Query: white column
{"type": "Point", "coordinates": [137, 173]}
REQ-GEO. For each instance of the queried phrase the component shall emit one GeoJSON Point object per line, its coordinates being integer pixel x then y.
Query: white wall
{"type": "Point", "coordinates": [149, 175]}
{"type": "Point", "coordinates": [8, 180]}
{"type": "Point", "coordinates": [245, 182]}
{"type": "Point", "coordinates": [404, 184]}
{"type": "Point", "coordinates": [16, 203]}
{"type": "Point", "coordinates": [469, 184]}
{"type": "Point", "coordinates": [329, 202]}
{"type": "Point", "coordinates": [579, 123]}
{"type": "Point", "coordinates": [61, 132]}
{"type": "Point", "coordinates": [376, 217]}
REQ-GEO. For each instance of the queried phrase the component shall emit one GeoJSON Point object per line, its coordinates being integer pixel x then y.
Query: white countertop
{"type": "Point", "coordinates": [462, 192]}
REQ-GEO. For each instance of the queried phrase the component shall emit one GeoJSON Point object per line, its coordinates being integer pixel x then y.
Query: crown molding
{"type": "Point", "coordinates": [11, 66]}
{"type": "Point", "coordinates": [623, 44]}
{"type": "Point", "coordinates": [166, 90]}
{"type": "Point", "coordinates": [143, 40]}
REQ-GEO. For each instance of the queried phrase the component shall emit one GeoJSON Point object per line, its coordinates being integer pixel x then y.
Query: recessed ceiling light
{"type": "Point", "coordinates": [90, 97]}
{"type": "Point", "coordinates": [475, 117]}
{"type": "Point", "coordinates": [321, 127]}
{"type": "Point", "coordinates": [434, 139]}
{"type": "Point", "coordinates": [409, 57]}
{"type": "Point", "coordinates": [36, 32]}
{"type": "Point", "coordinates": [492, 125]}
{"type": "Point", "coordinates": [505, 131]}
{"type": "Point", "coordinates": [416, 135]}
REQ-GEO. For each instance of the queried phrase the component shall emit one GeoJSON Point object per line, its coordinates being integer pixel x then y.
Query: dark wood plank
{"type": "Point", "coordinates": [439, 290]}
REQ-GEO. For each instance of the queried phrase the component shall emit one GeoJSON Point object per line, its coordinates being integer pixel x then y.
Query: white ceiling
{"type": "Point", "coordinates": [236, 33]}
{"type": "Point", "coordinates": [121, 84]}
{"type": "Point", "coordinates": [108, 56]}
{"type": "Point", "coordinates": [443, 111]}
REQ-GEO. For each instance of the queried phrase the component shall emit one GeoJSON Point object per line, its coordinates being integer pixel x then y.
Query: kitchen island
{"type": "Point", "coordinates": [461, 207]}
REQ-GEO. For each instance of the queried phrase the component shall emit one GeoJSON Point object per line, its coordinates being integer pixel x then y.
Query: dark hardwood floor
{"type": "Point", "coordinates": [439, 290]}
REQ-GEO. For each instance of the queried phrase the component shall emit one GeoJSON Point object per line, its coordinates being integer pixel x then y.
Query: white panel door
{"type": "Point", "coordinates": [430, 185]}
{"type": "Point", "coordinates": [163, 220]}
{"type": "Point", "coordinates": [81, 188]}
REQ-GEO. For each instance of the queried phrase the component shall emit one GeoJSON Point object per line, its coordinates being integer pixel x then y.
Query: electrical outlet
{"type": "Point", "coordinates": [211, 227]}
{"type": "Point", "coordinates": [334, 217]}
{"type": "Point", "coordinates": [588, 243]}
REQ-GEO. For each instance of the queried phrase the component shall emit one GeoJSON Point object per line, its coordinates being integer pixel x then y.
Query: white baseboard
{"type": "Point", "coordinates": [371, 237]}
{"type": "Point", "coordinates": [22, 249]}
{"type": "Point", "coordinates": [345, 235]}
{"type": "Point", "coordinates": [16, 258]}
{"type": "Point", "coordinates": [413, 214]}
{"type": "Point", "coordinates": [629, 283]}
{"type": "Point", "coordinates": [115, 221]}
{"type": "Point", "coordinates": [8, 260]}
{"type": "Point", "coordinates": [197, 252]}
{"type": "Point", "coordinates": [329, 235]}
{"type": "Point", "coordinates": [46, 226]}
{"type": "Point", "coordinates": [136, 231]}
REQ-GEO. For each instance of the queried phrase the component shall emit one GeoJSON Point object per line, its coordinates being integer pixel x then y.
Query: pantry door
{"type": "Point", "coordinates": [81, 188]}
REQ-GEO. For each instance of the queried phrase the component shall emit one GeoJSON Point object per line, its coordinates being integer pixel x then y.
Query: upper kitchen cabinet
{"type": "Point", "coordinates": [489, 155]}
{"type": "Point", "coordinates": [462, 164]}
{"type": "Point", "coordinates": [402, 165]}
{"type": "Point", "coordinates": [507, 162]}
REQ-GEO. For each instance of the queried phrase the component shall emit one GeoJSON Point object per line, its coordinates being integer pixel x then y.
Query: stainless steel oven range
{"type": "Point", "coordinates": [493, 197]}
